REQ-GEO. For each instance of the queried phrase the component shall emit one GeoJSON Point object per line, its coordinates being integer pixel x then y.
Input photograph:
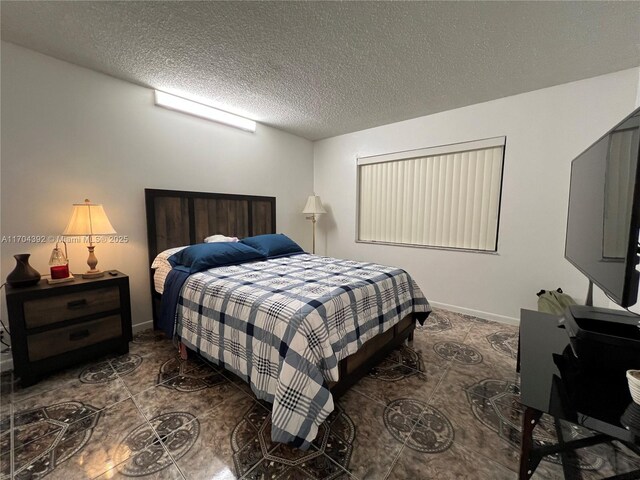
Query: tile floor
{"type": "Point", "coordinates": [445, 407]}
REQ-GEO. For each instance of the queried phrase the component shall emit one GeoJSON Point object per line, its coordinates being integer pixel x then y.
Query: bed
{"type": "Point", "coordinates": [303, 356]}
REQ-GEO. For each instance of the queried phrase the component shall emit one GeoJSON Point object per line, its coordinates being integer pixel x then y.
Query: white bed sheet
{"type": "Point", "coordinates": [163, 267]}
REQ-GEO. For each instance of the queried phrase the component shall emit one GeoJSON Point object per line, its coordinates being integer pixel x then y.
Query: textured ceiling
{"type": "Point", "coordinates": [319, 69]}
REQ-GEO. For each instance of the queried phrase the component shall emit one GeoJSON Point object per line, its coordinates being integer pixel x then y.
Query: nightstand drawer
{"type": "Point", "coordinates": [45, 311]}
{"type": "Point", "coordinates": [61, 340]}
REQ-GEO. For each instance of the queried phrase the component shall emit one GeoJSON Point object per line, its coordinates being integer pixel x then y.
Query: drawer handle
{"type": "Point", "coordinates": [75, 336]}
{"type": "Point", "coordinates": [77, 304]}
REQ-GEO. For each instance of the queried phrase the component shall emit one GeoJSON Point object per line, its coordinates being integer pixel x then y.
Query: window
{"type": "Point", "coordinates": [446, 196]}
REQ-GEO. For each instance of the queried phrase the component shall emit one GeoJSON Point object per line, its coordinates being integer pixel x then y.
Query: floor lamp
{"type": "Point", "coordinates": [313, 207]}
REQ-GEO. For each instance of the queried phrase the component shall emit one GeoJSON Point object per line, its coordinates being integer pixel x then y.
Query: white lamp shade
{"type": "Point", "coordinates": [88, 219]}
{"type": "Point", "coordinates": [314, 205]}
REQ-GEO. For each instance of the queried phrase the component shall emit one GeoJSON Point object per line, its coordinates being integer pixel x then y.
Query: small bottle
{"type": "Point", "coordinates": [58, 264]}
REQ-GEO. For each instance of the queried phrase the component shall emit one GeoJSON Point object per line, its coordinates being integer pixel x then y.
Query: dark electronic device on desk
{"type": "Point", "coordinates": [603, 226]}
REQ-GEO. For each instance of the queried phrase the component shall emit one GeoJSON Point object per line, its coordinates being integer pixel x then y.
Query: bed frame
{"type": "Point", "coordinates": [176, 218]}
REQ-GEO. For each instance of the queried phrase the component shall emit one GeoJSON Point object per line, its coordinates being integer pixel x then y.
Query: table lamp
{"type": "Point", "coordinates": [89, 219]}
{"type": "Point", "coordinates": [313, 207]}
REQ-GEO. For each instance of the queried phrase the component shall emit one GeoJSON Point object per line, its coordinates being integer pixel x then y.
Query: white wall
{"type": "Point", "coordinates": [545, 130]}
{"type": "Point", "coordinates": [70, 133]}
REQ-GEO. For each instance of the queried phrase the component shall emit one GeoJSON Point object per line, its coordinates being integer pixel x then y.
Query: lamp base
{"type": "Point", "coordinates": [92, 261]}
{"type": "Point", "coordinates": [93, 274]}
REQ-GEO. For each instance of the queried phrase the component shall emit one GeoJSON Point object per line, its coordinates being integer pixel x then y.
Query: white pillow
{"type": "Point", "coordinates": [220, 238]}
{"type": "Point", "coordinates": [162, 259]}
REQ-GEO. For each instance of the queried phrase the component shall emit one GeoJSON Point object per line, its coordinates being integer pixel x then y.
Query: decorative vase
{"type": "Point", "coordinates": [24, 274]}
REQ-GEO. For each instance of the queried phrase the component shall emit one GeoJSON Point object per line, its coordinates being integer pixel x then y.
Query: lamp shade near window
{"type": "Point", "coordinates": [89, 219]}
{"type": "Point", "coordinates": [313, 207]}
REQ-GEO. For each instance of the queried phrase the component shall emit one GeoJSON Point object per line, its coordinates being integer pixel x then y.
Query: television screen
{"type": "Point", "coordinates": [604, 211]}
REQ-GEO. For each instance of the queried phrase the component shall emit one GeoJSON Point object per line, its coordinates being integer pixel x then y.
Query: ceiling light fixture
{"type": "Point", "coordinates": [180, 104]}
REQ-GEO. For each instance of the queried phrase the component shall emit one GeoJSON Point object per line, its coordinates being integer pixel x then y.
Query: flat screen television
{"type": "Point", "coordinates": [604, 212]}
{"type": "Point", "coordinates": [603, 224]}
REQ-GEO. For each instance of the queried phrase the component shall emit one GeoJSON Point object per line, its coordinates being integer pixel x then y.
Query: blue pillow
{"type": "Point", "coordinates": [204, 256]}
{"type": "Point", "coordinates": [273, 245]}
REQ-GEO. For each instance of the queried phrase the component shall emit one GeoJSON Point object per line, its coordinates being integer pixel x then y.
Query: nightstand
{"type": "Point", "coordinates": [55, 326]}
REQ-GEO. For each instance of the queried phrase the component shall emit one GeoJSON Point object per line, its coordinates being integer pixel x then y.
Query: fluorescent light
{"type": "Point", "coordinates": [180, 104]}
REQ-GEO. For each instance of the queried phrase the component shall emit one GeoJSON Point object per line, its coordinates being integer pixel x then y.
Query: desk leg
{"type": "Point", "coordinates": [518, 357]}
{"type": "Point", "coordinates": [567, 455]}
{"type": "Point", "coordinates": [529, 422]}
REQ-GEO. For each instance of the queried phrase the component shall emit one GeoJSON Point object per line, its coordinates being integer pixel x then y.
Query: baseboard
{"type": "Point", "coordinates": [138, 327]}
{"type": "Point", "coordinates": [6, 364]}
{"type": "Point", "coordinates": [477, 313]}
{"type": "Point", "coordinates": [6, 361]}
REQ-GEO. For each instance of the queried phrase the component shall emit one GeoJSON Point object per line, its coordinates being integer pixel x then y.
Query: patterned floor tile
{"type": "Point", "coordinates": [548, 471]}
{"type": "Point", "coordinates": [455, 463]}
{"type": "Point", "coordinates": [32, 418]}
{"type": "Point", "coordinates": [316, 468]}
{"type": "Point", "coordinates": [195, 391]}
{"type": "Point", "coordinates": [458, 352]}
{"type": "Point", "coordinates": [618, 459]}
{"type": "Point", "coordinates": [86, 450]}
{"type": "Point", "coordinates": [497, 343]}
{"type": "Point", "coordinates": [66, 378]}
{"type": "Point", "coordinates": [5, 454]}
{"type": "Point", "coordinates": [99, 395]}
{"type": "Point", "coordinates": [6, 432]}
{"type": "Point", "coordinates": [386, 385]}
{"type": "Point", "coordinates": [211, 454]}
{"type": "Point", "coordinates": [504, 341]}
{"type": "Point", "coordinates": [460, 377]}
{"type": "Point", "coordinates": [606, 460]}
{"type": "Point", "coordinates": [424, 344]}
{"type": "Point", "coordinates": [60, 418]}
{"type": "Point", "coordinates": [470, 412]}
{"type": "Point", "coordinates": [154, 444]}
{"type": "Point", "coordinates": [611, 459]}
{"type": "Point", "coordinates": [152, 342]}
{"type": "Point", "coordinates": [170, 472]}
{"type": "Point", "coordinates": [154, 369]}
{"type": "Point", "coordinates": [379, 435]}
{"type": "Point", "coordinates": [445, 325]}
{"type": "Point", "coordinates": [327, 458]}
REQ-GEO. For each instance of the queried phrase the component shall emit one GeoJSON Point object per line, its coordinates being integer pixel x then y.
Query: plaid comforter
{"type": "Point", "coordinates": [284, 324]}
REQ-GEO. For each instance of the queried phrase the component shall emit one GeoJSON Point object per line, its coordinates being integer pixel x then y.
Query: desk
{"type": "Point", "coordinates": [553, 382]}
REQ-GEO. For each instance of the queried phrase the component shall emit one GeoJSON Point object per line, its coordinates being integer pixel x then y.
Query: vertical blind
{"type": "Point", "coordinates": [443, 197]}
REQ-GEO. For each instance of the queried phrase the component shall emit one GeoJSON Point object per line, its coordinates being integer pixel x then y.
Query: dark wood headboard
{"type": "Point", "coordinates": [176, 218]}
